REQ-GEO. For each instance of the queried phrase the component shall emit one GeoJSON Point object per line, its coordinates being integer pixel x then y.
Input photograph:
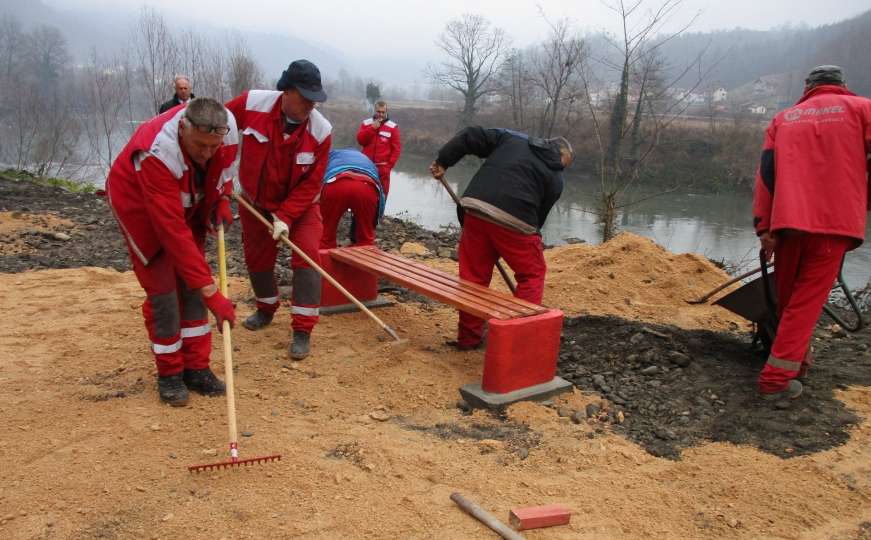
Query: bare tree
{"type": "Point", "coordinates": [11, 41]}
{"type": "Point", "coordinates": [157, 55]}
{"type": "Point", "coordinates": [47, 56]}
{"type": "Point", "coordinates": [475, 51]}
{"type": "Point", "coordinates": [243, 73]}
{"type": "Point", "coordinates": [105, 94]}
{"type": "Point", "coordinates": [639, 66]}
{"type": "Point", "coordinates": [557, 72]}
{"type": "Point", "coordinates": [515, 86]}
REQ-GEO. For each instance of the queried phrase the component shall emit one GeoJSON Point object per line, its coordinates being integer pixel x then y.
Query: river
{"type": "Point", "coordinates": [717, 226]}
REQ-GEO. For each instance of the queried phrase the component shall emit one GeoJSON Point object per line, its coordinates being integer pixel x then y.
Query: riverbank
{"type": "Point", "coordinates": [662, 436]}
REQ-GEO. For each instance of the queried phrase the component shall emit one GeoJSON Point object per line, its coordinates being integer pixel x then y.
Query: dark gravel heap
{"type": "Point", "coordinates": [679, 388]}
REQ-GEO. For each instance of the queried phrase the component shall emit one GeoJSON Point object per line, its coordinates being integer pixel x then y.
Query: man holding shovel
{"type": "Point", "coordinates": [503, 209]}
{"type": "Point", "coordinates": [810, 207]}
{"type": "Point", "coordinates": [285, 147]}
{"type": "Point", "coordinates": [169, 185]}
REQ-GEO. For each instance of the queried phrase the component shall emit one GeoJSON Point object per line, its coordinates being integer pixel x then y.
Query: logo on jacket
{"type": "Point", "coordinates": [796, 113]}
{"type": "Point", "coordinates": [305, 158]}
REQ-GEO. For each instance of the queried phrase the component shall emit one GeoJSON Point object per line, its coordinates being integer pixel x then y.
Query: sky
{"type": "Point", "coordinates": [409, 27]}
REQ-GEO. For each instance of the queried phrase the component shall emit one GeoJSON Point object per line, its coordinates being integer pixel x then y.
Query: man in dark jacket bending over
{"type": "Point", "coordinates": [503, 209]}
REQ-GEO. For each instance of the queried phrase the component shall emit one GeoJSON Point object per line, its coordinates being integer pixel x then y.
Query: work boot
{"type": "Point", "coordinates": [259, 319]}
{"type": "Point", "coordinates": [203, 381]}
{"type": "Point", "coordinates": [300, 346]}
{"type": "Point", "coordinates": [792, 391]}
{"type": "Point", "coordinates": [172, 390]}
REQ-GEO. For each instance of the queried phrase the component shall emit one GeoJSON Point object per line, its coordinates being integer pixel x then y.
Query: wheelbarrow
{"type": "Point", "coordinates": [756, 302]}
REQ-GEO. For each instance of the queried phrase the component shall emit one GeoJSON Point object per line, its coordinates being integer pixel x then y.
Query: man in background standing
{"type": "Point", "coordinates": [379, 140]}
{"type": "Point", "coordinates": [183, 94]}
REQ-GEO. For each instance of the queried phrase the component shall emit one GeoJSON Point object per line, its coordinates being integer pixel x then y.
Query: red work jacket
{"type": "Point", "coordinates": [154, 194]}
{"type": "Point", "coordinates": [813, 176]}
{"type": "Point", "coordinates": [381, 145]}
{"type": "Point", "coordinates": [280, 173]}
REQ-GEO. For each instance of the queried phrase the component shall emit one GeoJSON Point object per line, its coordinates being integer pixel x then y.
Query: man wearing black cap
{"type": "Point", "coordinates": [285, 147]}
{"type": "Point", "coordinates": [809, 208]}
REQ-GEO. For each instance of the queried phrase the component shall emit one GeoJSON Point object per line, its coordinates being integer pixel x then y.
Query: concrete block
{"type": "Point", "coordinates": [479, 398]}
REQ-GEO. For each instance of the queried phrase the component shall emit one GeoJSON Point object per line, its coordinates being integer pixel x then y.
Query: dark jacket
{"type": "Point", "coordinates": [171, 103]}
{"type": "Point", "coordinates": [521, 175]}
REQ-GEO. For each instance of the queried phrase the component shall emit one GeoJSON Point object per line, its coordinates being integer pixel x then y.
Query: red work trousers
{"type": "Point", "coordinates": [260, 254]}
{"type": "Point", "coordinates": [175, 316]}
{"type": "Point", "coordinates": [384, 176]}
{"type": "Point", "coordinates": [482, 243]}
{"type": "Point", "coordinates": [806, 266]}
{"type": "Point", "coordinates": [361, 197]}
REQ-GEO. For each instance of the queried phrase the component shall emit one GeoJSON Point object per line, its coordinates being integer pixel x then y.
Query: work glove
{"type": "Point", "coordinates": [222, 213]}
{"type": "Point", "coordinates": [278, 228]}
{"type": "Point", "coordinates": [221, 308]}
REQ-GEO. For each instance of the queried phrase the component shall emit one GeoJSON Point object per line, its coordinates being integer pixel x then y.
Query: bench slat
{"type": "Point", "coordinates": [486, 294]}
{"type": "Point", "coordinates": [368, 260]}
{"type": "Point", "coordinates": [428, 287]}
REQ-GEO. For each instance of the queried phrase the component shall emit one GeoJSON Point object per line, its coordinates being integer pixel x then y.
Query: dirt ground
{"type": "Point", "coordinates": [372, 438]}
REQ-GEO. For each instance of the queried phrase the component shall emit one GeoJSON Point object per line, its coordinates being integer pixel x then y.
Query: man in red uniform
{"type": "Point", "coordinates": [503, 210]}
{"type": "Point", "coordinates": [285, 144]}
{"type": "Point", "coordinates": [809, 208]}
{"type": "Point", "coordinates": [169, 185]}
{"type": "Point", "coordinates": [379, 140]}
{"type": "Point", "coordinates": [351, 183]}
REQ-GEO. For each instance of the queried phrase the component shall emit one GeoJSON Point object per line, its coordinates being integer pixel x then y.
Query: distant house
{"type": "Point", "coordinates": [719, 95]}
{"type": "Point", "coordinates": [756, 108]}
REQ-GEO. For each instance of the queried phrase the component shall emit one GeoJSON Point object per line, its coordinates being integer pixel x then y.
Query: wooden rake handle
{"type": "Point", "coordinates": [390, 331]}
{"type": "Point", "coordinates": [228, 349]}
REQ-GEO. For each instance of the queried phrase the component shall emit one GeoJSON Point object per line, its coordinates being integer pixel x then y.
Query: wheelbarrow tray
{"type": "Point", "coordinates": [748, 301]}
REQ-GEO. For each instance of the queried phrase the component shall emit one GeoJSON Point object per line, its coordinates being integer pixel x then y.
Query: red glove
{"type": "Point", "coordinates": [221, 308]}
{"type": "Point", "coordinates": [221, 214]}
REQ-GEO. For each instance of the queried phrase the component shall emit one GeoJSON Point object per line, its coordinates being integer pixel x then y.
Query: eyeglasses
{"type": "Point", "coordinates": [217, 130]}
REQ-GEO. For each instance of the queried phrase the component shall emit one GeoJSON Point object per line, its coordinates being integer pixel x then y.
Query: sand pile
{"type": "Point", "coordinates": [635, 278]}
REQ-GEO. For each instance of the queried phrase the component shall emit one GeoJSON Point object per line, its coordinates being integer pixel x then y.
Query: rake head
{"type": "Point", "coordinates": [234, 462]}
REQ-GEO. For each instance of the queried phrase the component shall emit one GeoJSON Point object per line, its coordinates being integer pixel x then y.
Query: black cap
{"type": "Point", "coordinates": [305, 77]}
{"type": "Point", "coordinates": [825, 75]}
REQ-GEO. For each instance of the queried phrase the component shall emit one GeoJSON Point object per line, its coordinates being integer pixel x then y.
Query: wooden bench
{"type": "Point", "coordinates": [523, 338]}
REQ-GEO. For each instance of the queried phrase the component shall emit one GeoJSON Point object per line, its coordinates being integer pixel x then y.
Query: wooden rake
{"type": "Point", "coordinates": [234, 460]}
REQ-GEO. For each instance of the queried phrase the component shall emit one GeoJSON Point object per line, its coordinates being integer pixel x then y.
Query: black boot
{"type": "Point", "coordinates": [300, 346]}
{"type": "Point", "coordinates": [204, 382]}
{"type": "Point", "coordinates": [172, 390]}
{"type": "Point", "coordinates": [259, 319]}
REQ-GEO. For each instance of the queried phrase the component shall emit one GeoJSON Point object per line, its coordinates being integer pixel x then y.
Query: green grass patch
{"type": "Point", "coordinates": [73, 186]}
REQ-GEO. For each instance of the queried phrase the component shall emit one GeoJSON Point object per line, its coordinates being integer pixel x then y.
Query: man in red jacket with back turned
{"type": "Point", "coordinates": [169, 185]}
{"type": "Point", "coordinates": [809, 208]}
{"type": "Point", "coordinates": [285, 147]}
{"type": "Point", "coordinates": [379, 141]}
